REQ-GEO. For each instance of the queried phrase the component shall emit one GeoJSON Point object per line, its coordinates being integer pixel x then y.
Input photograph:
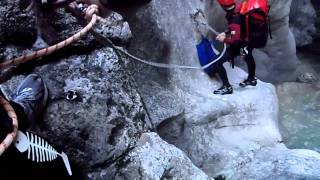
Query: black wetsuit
{"type": "Point", "coordinates": [235, 44]}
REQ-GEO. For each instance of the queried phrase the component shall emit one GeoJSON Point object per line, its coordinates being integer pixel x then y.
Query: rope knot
{"type": "Point", "coordinates": [91, 10]}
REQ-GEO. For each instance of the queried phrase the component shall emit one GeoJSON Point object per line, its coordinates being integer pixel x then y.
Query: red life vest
{"type": "Point", "coordinates": [255, 22]}
{"type": "Point", "coordinates": [250, 5]}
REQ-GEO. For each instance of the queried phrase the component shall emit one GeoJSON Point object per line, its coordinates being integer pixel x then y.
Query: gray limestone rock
{"type": "Point", "coordinates": [114, 28]}
{"type": "Point", "coordinates": [307, 77]}
{"type": "Point", "coordinates": [216, 132]}
{"type": "Point", "coordinates": [302, 22]}
{"type": "Point", "coordinates": [107, 118]}
{"type": "Point", "coordinates": [277, 62]}
{"type": "Point", "coordinates": [219, 132]}
{"type": "Point", "coordinates": [280, 163]}
{"type": "Point", "coordinates": [17, 26]}
{"type": "Point", "coordinates": [103, 129]}
{"type": "Point", "coordinates": [154, 158]}
{"type": "Point", "coordinates": [155, 28]}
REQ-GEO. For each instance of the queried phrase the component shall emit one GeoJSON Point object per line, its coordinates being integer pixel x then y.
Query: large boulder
{"type": "Point", "coordinates": [153, 158]}
{"type": "Point", "coordinates": [313, 48]}
{"type": "Point", "coordinates": [277, 62]}
{"type": "Point", "coordinates": [156, 39]}
{"type": "Point", "coordinates": [302, 22]}
{"type": "Point", "coordinates": [280, 163]}
{"type": "Point", "coordinates": [216, 132]}
{"type": "Point", "coordinates": [106, 119]}
{"type": "Point", "coordinates": [316, 5]}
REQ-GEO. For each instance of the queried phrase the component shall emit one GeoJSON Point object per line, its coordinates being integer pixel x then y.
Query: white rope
{"type": "Point", "coordinates": [173, 66]}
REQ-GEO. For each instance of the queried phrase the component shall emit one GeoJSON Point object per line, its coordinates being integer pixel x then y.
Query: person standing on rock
{"type": "Point", "coordinates": [234, 38]}
{"type": "Point", "coordinates": [28, 103]}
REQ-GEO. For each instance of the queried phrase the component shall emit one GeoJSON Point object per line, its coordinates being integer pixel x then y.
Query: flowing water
{"type": "Point", "coordinates": [300, 110]}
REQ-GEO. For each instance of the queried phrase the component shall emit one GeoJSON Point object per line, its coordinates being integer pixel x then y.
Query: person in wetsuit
{"type": "Point", "coordinates": [234, 38]}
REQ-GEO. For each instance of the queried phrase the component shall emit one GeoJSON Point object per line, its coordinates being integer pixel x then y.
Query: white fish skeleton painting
{"type": "Point", "coordinates": [38, 149]}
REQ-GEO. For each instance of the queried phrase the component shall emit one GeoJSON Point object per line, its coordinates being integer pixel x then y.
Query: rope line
{"type": "Point", "coordinates": [170, 66]}
{"type": "Point", "coordinates": [49, 50]}
{"type": "Point", "coordinates": [11, 136]}
{"type": "Point", "coordinates": [90, 14]}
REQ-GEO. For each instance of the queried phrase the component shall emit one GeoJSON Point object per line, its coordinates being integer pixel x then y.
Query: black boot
{"type": "Point", "coordinates": [249, 81]}
{"type": "Point", "coordinates": [224, 90]}
{"type": "Point", "coordinates": [32, 95]}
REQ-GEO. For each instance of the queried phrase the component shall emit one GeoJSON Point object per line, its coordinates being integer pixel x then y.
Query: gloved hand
{"type": "Point", "coordinates": [221, 37]}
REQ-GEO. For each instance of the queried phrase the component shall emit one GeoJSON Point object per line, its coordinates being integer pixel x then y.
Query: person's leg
{"type": "Point", "coordinates": [32, 95]}
{"type": "Point", "coordinates": [221, 71]}
{"type": "Point", "coordinates": [251, 80]}
{"type": "Point", "coordinates": [251, 64]}
{"type": "Point", "coordinates": [226, 87]}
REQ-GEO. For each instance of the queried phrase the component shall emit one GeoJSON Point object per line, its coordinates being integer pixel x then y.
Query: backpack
{"type": "Point", "coordinates": [255, 26]}
{"type": "Point", "coordinates": [207, 54]}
